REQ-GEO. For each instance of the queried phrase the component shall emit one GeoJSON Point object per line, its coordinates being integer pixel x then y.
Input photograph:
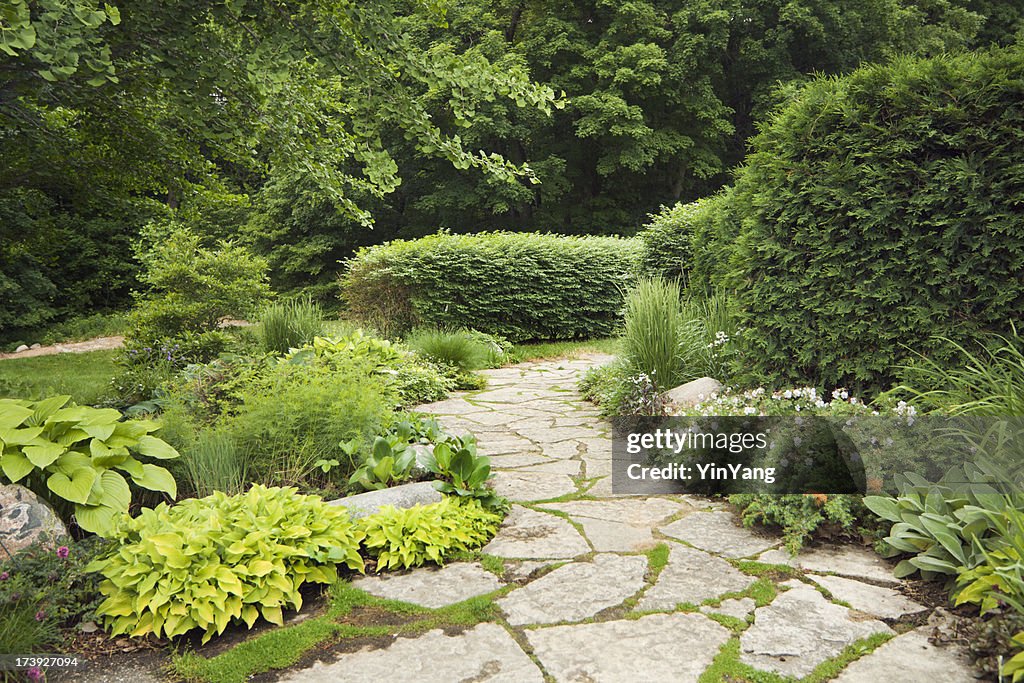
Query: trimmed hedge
{"type": "Point", "coordinates": [518, 285]}
{"type": "Point", "coordinates": [690, 242]}
{"type": "Point", "coordinates": [880, 210]}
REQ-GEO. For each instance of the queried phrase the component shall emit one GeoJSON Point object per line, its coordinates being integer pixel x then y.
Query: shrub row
{"type": "Point", "coordinates": [517, 285]}
{"type": "Point", "coordinates": [876, 213]}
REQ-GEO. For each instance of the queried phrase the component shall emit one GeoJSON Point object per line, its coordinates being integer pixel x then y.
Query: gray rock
{"type": "Point", "coordinates": [23, 347]}
{"type": "Point", "coordinates": [864, 597]}
{"type": "Point", "coordinates": [717, 532]}
{"type": "Point", "coordinates": [738, 608]}
{"type": "Point", "coordinates": [916, 660]}
{"type": "Point", "coordinates": [526, 486]}
{"type": "Point", "coordinates": [576, 591]}
{"type": "Point", "coordinates": [659, 647]}
{"type": "Point", "coordinates": [692, 576]}
{"type": "Point", "coordinates": [432, 588]}
{"type": "Point", "coordinates": [619, 525]}
{"type": "Point", "coordinates": [531, 535]}
{"type": "Point", "coordinates": [404, 496]}
{"type": "Point", "coordinates": [36, 346]}
{"type": "Point", "coordinates": [777, 556]}
{"type": "Point", "coordinates": [851, 561]}
{"type": "Point", "coordinates": [25, 518]}
{"type": "Point", "coordinates": [485, 653]}
{"type": "Point", "coordinates": [694, 392]}
{"type": "Point", "coordinates": [800, 630]}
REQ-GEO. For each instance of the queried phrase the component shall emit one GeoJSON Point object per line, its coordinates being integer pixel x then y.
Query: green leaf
{"type": "Point", "coordinates": [15, 465]}
{"type": "Point", "coordinates": [883, 506]}
{"type": "Point", "coordinates": [156, 478]}
{"type": "Point", "coordinates": [43, 454]}
{"type": "Point", "coordinates": [76, 488]}
{"type": "Point", "coordinates": [99, 519]}
{"type": "Point", "coordinates": [13, 414]}
{"type": "Point", "coordinates": [156, 448]}
{"type": "Point", "coordinates": [116, 492]}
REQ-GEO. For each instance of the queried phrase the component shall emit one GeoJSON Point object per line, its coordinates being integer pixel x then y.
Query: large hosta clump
{"type": "Point", "coordinates": [208, 562]}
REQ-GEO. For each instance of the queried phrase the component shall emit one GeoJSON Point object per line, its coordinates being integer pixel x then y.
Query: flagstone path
{"type": "Point", "coordinates": [581, 599]}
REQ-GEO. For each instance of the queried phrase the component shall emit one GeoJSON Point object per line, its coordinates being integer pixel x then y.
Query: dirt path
{"type": "Point", "coordinates": [97, 344]}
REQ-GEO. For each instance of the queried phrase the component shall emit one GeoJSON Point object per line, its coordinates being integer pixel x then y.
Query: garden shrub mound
{"type": "Point", "coordinates": [690, 242]}
{"type": "Point", "coordinates": [880, 210]}
{"type": "Point", "coordinates": [518, 285]}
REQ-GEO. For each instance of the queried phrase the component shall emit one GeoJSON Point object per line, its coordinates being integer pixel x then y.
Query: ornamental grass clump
{"type": "Point", "coordinates": [210, 562]}
{"type": "Point", "coordinates": [653, 328]}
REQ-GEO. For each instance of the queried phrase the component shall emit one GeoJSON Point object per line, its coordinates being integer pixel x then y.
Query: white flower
{"type": "Point", "coordinates": [787, 394]}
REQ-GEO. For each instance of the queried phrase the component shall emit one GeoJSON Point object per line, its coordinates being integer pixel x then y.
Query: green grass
{"type": "Point", "coordinates": [85, 376]}
{"type": "Point", "coordinates": [283, 647]}
{"type": "Point", "coordinates": [564, 349]}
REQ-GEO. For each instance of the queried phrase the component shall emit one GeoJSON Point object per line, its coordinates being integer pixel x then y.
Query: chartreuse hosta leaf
{"type": "Point", "coordinates": [72, 452]}
{"type": "Point", "coordinates": [206, 563]}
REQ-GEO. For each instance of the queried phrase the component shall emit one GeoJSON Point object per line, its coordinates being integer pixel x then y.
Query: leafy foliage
{"type": "Point", "coordinates": [878, 213]}
{"type": "Point", "coordinates": [456, 348]}
{"type": "Point", "coordinates": [945, 525]}
{"type": "Point", "coordinates": [802, 516]}
{"type": "Point", "coordinates": [191, 289]}
{"type": "Point", "coordinates": [653, 326]}
{"type": "Point", "coordinates": [67, 452]}
{"type": "Point", "coordinates": [427, 533]}
{"type": "Point", "coordinates": [520, 286]}
{"type": "Point", "coordinates": [51, 576]}
{"type": "Point", "coordinates": [690, 242]}
{"type": "Point", "coordinates": [208, 562]}
{"type": "Point", "coordinates": [461, 471]}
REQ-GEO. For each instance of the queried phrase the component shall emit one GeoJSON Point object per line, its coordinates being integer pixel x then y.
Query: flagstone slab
{"type": "Point", "coordinates": [648, 511]}
{"type": "Point", "coordinates": [484, 654]}
{"type": "Point", "coordinates": [531, 535]}
{"type": "Point", "coordinates": [561, 450]}
{"type": "Point", "coordinates": [518, 460]}
{"type": "Point", "coordinates": [916, 660]}
{"type": "Point", "coordinates": [692, 576]}
{"type": "Point", "coordinates": [799, 630]}
{"type": "Point", "coordinates": [737, 608]}
{"type": "Point", "coordinates": [717, 532]}
{"type": "Point", "coordinates": [576, 591]}
{"type": "Point", "coordinates": [850, 561]}
{"type": "Point", "coordinates": [432, 588]}
{"type": "Point", "coordinates": [527, 486]}
{"type": "Point", "coordinates": [659, 647]}
{"type": "Point", "coordinates": [451, 406]}
{"type": "Point", "coordinates": [567, 467]}
{"type": "Point", "coordinates": [864, 597]}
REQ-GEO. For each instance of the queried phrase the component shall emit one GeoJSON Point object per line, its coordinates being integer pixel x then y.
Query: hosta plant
{"type": "Point", "coordinates": [389, 464]}
{"type": "Point", "coordinates": [461, 471]}
{"type": "Point", "coordinates": [76, 454]}
{"type": "Point", "coordinates": [208, 562]}
{"type": "Point", "coordinates": [410, 537]}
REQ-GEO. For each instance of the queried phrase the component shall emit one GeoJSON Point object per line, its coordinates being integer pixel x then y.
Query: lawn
{"type": "Point", "coordinates": [84, 376]}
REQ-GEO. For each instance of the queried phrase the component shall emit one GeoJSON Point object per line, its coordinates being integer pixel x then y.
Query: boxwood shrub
{"type": "Point", "coordinates": [518, 285]}
{"type": "Point", "coordinates": [881, 210]}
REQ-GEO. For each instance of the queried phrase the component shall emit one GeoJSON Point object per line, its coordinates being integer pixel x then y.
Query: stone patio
{"type": "Point", "coordinates": [581, 602]}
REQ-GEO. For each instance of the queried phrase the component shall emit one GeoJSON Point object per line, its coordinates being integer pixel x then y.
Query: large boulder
{"type": "Point", "coordinates": [404, 496]}
{"type": "Point", "coordinates": [25, 518]}
{"type": "Point", "coordinates": [694, 392]}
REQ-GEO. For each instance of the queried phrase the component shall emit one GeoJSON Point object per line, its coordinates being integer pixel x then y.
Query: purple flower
{"type": "Point", "coordinates": [63, 552]}
{"type": "Point", "coordinates": [4, 576]}
{"type": "Point", "coordinates": [35, 674]}
{"type": "Point", "coordinates": [40, 615]}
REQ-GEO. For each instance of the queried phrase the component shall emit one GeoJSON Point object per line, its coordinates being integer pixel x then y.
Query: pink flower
{"type": "Point", "coordinates": [35, 673]}
{"type": "Point", "coordinates": [4, 576]}
{"type": "Point", "coordinates": [63, 552]}
{"type": "Point", "coordinates": [40, 615]}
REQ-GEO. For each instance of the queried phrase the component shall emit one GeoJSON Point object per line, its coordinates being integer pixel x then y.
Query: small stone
{"type": "Point", "coordinates": [694, 392]}
{"type": "Point", "coordinates": [23, 347]}
{"type": "Point", "coordinates": [738, 608]}
{"type": "Point", "coordinates": [36, 346]}
{"type": "Point", "coordinates": [88, 627]}
{"type": "Point", "coordinates": [531, 535]}
{"type": "Point", "coordinates": [874, 600]}
{"type": "Point", "coordinates": [851, 561]}
{"type": "Point", "coordinates": [777, 556]}
{"type": "Point", "coordinates": [485, 653]}
{"type": "Point", "coordinates": [692, 576]}
{"type": "Point", "coordinates": [404, 496]}
{"type": "Point", "coordinates": [432, 588]}
{"type": "Point", "coordinates": [658, 647]}
{"type": "Point", "coordinates": [718, 533]}
{"type": "Point", "coordinates": [800, 630]}
{"type": "Point", "coordinates": [576, 591]}
{"type": "Point", "coordinates": [916, 660]}
{"type": "Point", "coordinates": [25, 518]}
